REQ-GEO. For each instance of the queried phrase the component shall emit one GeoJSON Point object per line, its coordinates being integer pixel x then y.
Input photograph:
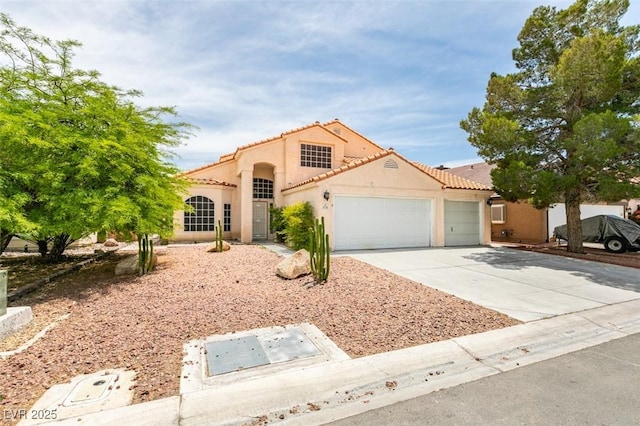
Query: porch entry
{"type": "Point", "coordinates": [260, 220]}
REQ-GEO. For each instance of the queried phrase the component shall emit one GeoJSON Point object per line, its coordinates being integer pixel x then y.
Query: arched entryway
{"type": "Point", "coordinates": [263, 196]}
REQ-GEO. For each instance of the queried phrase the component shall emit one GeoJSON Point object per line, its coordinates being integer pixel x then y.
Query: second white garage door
{"type": "Point", "coordinates": [461, 223]}
{"type": "Point", "coordinates": [376, 223]}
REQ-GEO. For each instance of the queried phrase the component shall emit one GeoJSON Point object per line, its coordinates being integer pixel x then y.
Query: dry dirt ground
{"type": "Point", "coordinates": [141, 323]}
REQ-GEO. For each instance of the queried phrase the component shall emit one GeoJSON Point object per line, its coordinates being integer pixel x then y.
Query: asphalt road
{"type": "Point", "coordinates": [595, 386]}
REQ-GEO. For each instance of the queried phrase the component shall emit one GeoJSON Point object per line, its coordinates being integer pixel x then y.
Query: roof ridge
{"type": "Point", "coordinates": [447, 180]}
{"type": "Point", "coordinates": [451, 180]}
{"type": "Point", "coordinates": [351, 165]}
{"type": "Point", "coordinates": [211, 181]}
{"type": "Point", "coordinates": [230, 156]}
{"type": "Point", "coordinates": [335, 120]}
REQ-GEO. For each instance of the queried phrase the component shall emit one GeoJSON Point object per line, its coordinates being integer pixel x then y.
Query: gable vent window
{"type": "Point", "coordinates": [315, 156]}
{"type": "Point", "coordinates": [498, 213]}
{"type": "Point", "coordinates": [262, 188]}
{"type": "Point", "coordinates": [390, 164]}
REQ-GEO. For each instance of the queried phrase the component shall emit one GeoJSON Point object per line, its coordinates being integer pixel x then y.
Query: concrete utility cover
{"type": "Point", "coordinates": [234, 354]}
{"type": "Point", "coordinates": [244, 355]}
{"type": "Point", "coordinates": [91, 389]}
{"type": "Point", "coordinates": [86, 393]}
{"type": "Point", "coordinates": [288, 345]}
{"type": "Point", "coordinates": [245, 352]}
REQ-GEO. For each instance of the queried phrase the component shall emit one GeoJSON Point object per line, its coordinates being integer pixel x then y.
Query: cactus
{"type": "Point", "coordinates": [145, 255]}
{"type": "Point", "coordinates": [319, 252]}
{"type": "Point", "coordinates": [219, 237]}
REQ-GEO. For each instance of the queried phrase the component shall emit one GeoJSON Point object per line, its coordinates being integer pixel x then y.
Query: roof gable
{"type": "Point", "coordinates": [325, 127]}
{"type": "Point", "coordinates": [448, 181]}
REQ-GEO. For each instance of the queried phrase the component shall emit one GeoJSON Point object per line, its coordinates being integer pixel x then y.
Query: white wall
{"type": "Point", "coordinates": [557, 213]}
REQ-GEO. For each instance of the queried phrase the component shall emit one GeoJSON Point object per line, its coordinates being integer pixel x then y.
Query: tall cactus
{"type": "Point", "coordinates": [219, 237]}
{"type": "Point", "coordinates": [319, 252]}
{"type": "Point", "coordinates": [145, 255]}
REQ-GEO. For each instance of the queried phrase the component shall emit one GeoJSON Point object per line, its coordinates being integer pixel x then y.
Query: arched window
{"type": "Point", "coordinates": [262, 188]}
{"type": "Point", "coordinates": [202, 218]}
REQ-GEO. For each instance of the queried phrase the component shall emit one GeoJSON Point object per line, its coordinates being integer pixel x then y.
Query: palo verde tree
{"type": "Point", "coordinates": [79, 156]}
{"type": "Point", "coordinates": [564, 126]}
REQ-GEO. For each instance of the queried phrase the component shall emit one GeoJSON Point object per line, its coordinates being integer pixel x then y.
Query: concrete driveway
{"type": "Point", "coordinates": [524, 285]}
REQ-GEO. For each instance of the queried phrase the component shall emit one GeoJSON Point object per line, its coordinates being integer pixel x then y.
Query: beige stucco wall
{"type": "Point", "coordinates": [279, 159]}
{"type": "Point", "coordinates": [374, 180]}
{"type": "Point", "coordinates": [220, 195]}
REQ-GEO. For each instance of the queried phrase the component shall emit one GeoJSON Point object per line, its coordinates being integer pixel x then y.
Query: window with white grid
{"type": "Point", "coordinates": [262, 188]}
{"type": "Point", "coordinates": [315, 156]}
{"type": "Point", "coordinates": [202, 218]}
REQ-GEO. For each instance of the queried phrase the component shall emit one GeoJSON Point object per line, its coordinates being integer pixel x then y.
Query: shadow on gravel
{"type": "Point", "coordinates": [76, 284]}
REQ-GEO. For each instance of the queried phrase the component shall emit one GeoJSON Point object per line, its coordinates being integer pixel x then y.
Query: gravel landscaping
{"type": "Point", "coordinates": [141, 323]}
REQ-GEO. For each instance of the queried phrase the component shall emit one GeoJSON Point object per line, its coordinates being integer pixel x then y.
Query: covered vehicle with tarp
{"type": "Point", "coordinates": [617, 234]}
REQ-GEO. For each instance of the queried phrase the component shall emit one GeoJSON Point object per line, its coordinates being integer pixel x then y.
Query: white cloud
{"type": "Point", "coordinates": [402, 73]}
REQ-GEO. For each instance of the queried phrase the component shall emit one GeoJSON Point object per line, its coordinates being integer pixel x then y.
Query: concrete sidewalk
{"type": "Point", "coordinates": [327, 392]}
{"type": "Point", "coordinates": [569, 305]}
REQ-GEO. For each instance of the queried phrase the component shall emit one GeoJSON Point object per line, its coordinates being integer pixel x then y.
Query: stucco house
{"type": "Point", "coordinates": [370, 197]}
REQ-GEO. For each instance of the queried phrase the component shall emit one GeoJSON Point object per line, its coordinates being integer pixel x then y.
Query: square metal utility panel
{"type": "Point", "coordinates": [235, 354]}
{"type": "Point", "coordinates": [238, 356]}
{"type": "Point", "coordinates": [240, 353]}
{"type": "Point", "coordinates": [288, 345]}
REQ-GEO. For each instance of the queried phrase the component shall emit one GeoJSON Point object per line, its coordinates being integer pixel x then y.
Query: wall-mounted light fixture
{"type": "Point", "coordinates": [326, 195]}
{"type": "Point", "coordinates": [490, 201]}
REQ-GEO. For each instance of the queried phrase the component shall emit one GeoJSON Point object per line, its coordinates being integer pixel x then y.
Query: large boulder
{"type": "Point", "coordinates": [111, 242]}
{"type": "Point", "coordinates": [294, 266]}
{"type": "Point", "coordinates": [213, 249]}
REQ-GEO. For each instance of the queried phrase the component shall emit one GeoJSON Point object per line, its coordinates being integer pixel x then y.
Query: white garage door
{"type": "Point", "coordinates": [461, 223]}
{"type": "Point", "coordinates": [376, 223]}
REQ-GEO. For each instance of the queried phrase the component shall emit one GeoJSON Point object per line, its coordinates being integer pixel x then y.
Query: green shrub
{"type": "Point", "coordinates": [277, 225]}
{"type": "Point", "coordinates": [299, 221]}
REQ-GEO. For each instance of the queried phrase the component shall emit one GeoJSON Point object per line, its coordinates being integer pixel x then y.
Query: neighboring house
{"type": "Point", "coordinates": [370, 197]}
{"type": "Point", "coordinates": [520, 221]}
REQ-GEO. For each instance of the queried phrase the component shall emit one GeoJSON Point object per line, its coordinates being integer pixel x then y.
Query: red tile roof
{"type": "Point", "coordinates": [231, 156]}
{"type": "Point", "coordinates": [477, 172]}
{"type": "Point", "coordinates": [350, 165]}
{"type": "Point", "coordinates": [451, 181]}
{"type": "Point", "coordinates": [204, 181]}
{"type": "Point", "coordinates": [447, 180]}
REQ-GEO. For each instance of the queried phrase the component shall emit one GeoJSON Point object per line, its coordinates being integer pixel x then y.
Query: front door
{"type": "Point", "coordinates": [260, 220]}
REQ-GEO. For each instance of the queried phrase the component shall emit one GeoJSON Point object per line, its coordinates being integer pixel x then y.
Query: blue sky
{"type": "Point", "coordinates": [403, 73]}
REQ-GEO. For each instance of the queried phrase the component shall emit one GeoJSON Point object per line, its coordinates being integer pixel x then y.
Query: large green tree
{"type": "Point", "coordinates": [565, 126]}
{"type": "Point", "coordinates": [79, 156]}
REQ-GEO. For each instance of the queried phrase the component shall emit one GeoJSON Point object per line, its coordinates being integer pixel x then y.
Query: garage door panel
{"type": "Point", "coordinates": [374, 222]}
{"type": "Point", "coordinates": [462, 223]}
